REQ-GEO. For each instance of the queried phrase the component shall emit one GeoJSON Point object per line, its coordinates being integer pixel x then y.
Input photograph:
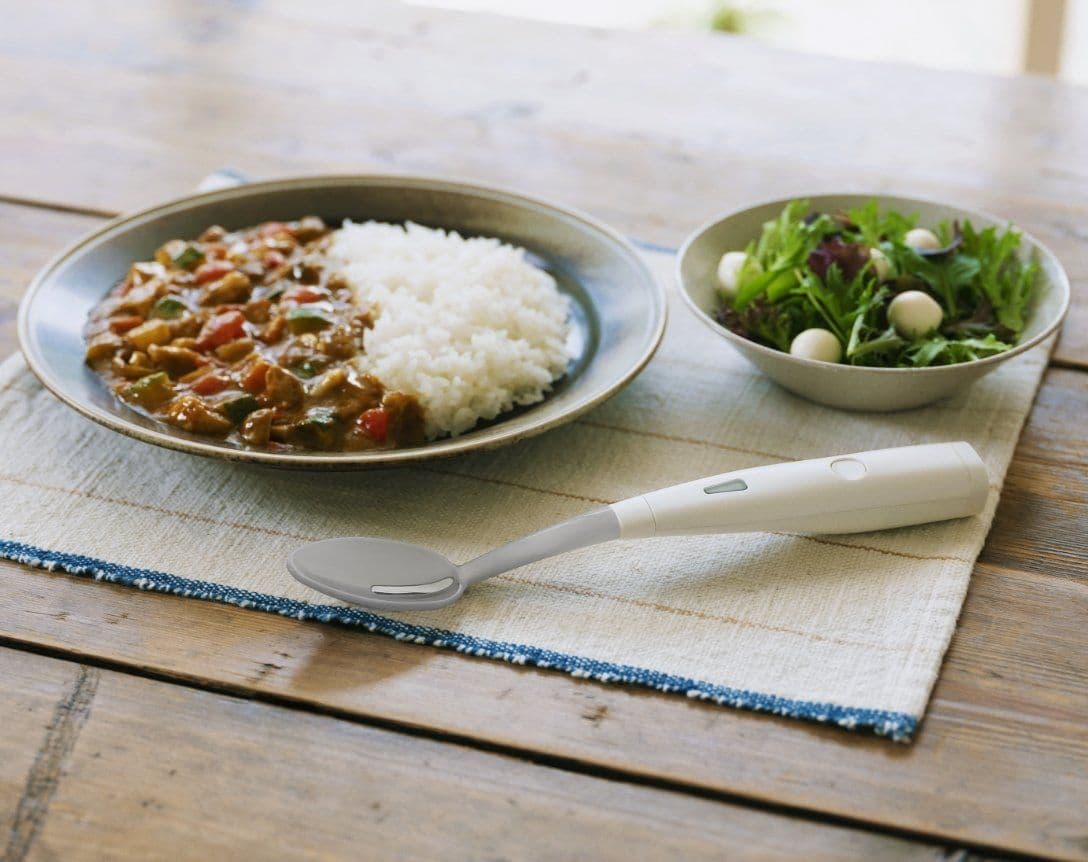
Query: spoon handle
{"type": "Point", "coordinates": [844, 494]}
{"type": "Point", "coordinates": [592, 528]}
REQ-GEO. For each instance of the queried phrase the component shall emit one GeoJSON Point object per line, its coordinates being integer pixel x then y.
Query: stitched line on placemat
{"type": "Point", "coordinates": [695, 441]}
{"type": "Point", "coordinates": [7, 387]}
{"type": "Point", "coordinates": [506, 483]}
{"type": "Point", "coordinates": [700, 615]}
{"type": "Point", "coordinates": [162, 510]}
{"type": "Point", "coordinates": [15, 480]}
{"type": "Point", "coordinates": [925, 558]}
{"type": "Point", "coordinates": [896, 725]}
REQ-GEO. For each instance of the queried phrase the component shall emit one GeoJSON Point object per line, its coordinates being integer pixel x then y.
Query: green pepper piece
{"type": "Point", "coordinates": [150, 391]}
{"type": "Point", "coordinates": [319, 429]}
{"type": "Point", "coordinates": [189, 257]}
{"type": "Point", "coordinates": [168, 308]}
{"type": "Point", "coordinates": [306, 369]}
{"type": "Point", "coordinates": [307, 318]}
{"type": "Point", "coordinates": [324, 417]}
{"type": "Point", "coordinates": [237, 409]}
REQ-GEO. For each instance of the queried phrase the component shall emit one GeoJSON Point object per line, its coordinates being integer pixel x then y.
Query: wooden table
{"type": "Point", "coordinates": [136, 724]}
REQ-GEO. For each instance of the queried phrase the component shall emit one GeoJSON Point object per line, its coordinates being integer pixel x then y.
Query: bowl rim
{"type": "Point", "coordinates": [444, 447]}
{"type": "Point", "coordinates": [1020, 347]}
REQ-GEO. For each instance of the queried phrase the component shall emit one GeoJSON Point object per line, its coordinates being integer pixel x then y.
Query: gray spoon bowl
{"type": "Point", "coordinates": [378, 573]}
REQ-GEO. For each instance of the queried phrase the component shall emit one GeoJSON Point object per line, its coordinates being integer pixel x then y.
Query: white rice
{"type": "Point", "coordinates": [468, 326]}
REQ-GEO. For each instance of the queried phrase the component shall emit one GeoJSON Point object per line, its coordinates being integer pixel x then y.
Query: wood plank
{"type": "Point", "coordinates": [485, 72]}
{"type": "Point", "coordinates": [1041, 522]}
{"type": "Point", "coordinates": [1001, 760]}
{"type": "Point", "coordinates": [30, 237]}
{"type": "Point", "coordinates": [146, 768]}
{"type": "Point", "coordinates": [573, 114]}
{"type": "Point", "coordinates": [40, 715]}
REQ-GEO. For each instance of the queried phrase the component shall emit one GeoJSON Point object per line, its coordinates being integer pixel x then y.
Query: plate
{"type": "Point", "coordinates": [617, 306]}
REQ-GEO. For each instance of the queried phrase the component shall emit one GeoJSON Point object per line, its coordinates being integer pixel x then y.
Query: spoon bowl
{"type": "Point", "coordinates": [378, 573]}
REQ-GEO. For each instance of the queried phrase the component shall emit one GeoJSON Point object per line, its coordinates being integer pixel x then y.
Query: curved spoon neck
{"type": "Point", "coordinates": [592, 528]}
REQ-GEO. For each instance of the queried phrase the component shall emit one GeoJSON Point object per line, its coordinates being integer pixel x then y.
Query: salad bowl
{"type": "Point", "coordinates": [854, 387]}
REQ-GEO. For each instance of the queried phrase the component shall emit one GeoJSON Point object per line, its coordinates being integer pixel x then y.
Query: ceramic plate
{"type": "Point", "coordinates": [617, 317]}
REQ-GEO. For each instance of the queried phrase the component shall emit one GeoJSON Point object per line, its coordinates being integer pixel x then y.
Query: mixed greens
{"type": "Point", "coordinates": [889, 293]}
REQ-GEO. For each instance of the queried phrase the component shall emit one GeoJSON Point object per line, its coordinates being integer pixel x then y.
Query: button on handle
{"type": "Point", "coordinates": [725, 487]}
{"type": "Point", "coordinates": [848, 468]}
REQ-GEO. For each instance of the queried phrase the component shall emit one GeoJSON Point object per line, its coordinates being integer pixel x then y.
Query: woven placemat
{"type": "Point", "coordinates": [845, 629]}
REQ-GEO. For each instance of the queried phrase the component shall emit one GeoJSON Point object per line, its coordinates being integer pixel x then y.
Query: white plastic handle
{"type": "Point", "coordinates": [844, 494]}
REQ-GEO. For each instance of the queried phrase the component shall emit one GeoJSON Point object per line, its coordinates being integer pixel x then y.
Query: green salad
{"type": "Point", "coordinates": [869, 287]}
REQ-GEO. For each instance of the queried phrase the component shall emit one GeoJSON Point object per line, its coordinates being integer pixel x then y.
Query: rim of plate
{"type": "Point", "coordinates": [1020, 347]}
{"type": "Point", "coordinates": [493, 437]}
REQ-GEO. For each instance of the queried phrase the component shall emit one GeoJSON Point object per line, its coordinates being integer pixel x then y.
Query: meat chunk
{"type": "Point", "coordinates": [339, 343]}
{"type": "Point", "coordinates": [273, 331]}
{"type": "Point", "coordinates": [192, 413]}
{"type": "Point", "coordinates": [233, 351]}
{"type": "Point", "coordinates": [231, 288]}
{"type": "Point", "coordinates": [103, 346]}
{"type": "Point", "coordinates": [256, 427]}
{"type": "Point", "coordinates": [139, 298]}
{"type": "Point", "coordinates": [258, 310]}
{"type": "Point", "coordinates": [282, 387]}
{"type": "Point", "coordinates": [213, 234]}
{"type": "Point", "coordinates": [150, 332]}
{"type": "Point", "coordinates": [175, 361]}
{"type": "Point", "coordinates": [406, 423]}
{"type": "Point", "coordinates": [310, 228]}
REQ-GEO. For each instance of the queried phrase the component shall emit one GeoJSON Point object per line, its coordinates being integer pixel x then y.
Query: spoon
{"type": "Point", "coordinates": [843, 494]}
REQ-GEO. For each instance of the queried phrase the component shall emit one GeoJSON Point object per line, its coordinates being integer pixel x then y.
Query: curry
{"type": "Point", "coordinates": [248, 336]}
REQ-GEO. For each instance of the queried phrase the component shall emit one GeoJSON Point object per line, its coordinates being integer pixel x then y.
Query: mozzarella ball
{"type": "Point", "coordinates": [922, 238]}
{"type": "Point", "coordinates": [914, 313]}
{"type": "Point", "coordinates": [818, 344]}
{"type": "Point", "coordinates": [882, 267]}
{"type": "Point", "coordinates": [729, 268]}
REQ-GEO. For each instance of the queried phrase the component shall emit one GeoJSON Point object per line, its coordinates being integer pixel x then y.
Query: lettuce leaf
{"type": "Point", "coordinates": [809, 270]}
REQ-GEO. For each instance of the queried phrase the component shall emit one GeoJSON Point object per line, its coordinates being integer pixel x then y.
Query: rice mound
{"type": "Point", "coordinates": [468, 326]}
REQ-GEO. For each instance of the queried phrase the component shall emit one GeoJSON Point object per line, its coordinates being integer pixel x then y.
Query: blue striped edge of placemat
{"type": "Point", "coordinates": [896, 725]}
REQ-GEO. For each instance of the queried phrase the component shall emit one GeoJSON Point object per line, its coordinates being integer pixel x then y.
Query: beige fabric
{"type": "Point", "coordinates": [857, 622]}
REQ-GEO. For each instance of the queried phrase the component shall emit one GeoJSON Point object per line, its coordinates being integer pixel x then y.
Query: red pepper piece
{"type": "Point", "coordinates": [209, 384]}
{"type": "Point", "coordinates": [119, 325]}
{"type": "Point", "coordinates": [212, 271]}
{"type": "Point", "coordinates": [375, 422]}
{"type": "Point", "coordinates": [254, 381]}
{"type": "Point", "coordinates": [221, 329]}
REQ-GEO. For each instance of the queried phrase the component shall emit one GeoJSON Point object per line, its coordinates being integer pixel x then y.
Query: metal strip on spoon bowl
{"type": "Point", "coordinates": [855, 493]}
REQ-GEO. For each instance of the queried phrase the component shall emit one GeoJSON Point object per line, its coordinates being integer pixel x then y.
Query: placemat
{"type": "Point", "coordinates": [844, 629]}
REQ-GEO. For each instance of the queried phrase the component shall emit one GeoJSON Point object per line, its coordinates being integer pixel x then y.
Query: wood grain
{"type": "Point", "coordinates": [173, 91]}
{"type": "Point", "coordinates": [162, 771]}
{"type": "Point", "coordinates": [30, 237]}
{"type": "Point", "coordinates": [41, 715]}
{"type": "Point", "coordinates": [110, 118]}
{"type": "Point", "coordinates": [1002, 757]}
